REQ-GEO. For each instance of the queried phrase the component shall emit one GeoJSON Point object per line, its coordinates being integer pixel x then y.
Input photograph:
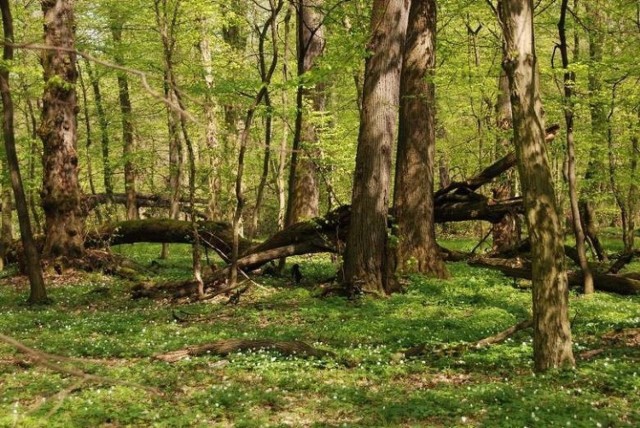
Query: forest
{"type": "Point", "coordinates": [320, 213]}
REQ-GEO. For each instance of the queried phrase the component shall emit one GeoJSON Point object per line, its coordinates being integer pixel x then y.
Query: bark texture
{"type": "Point", "coordinates": [303, 181]}
{"type": "Point", "coordinates": [416, 249]}
{"type": "Point", "coordinates": [552, 335]}
{"type": "Point", "coordinates": [61, 194]}
{"type": "Point", "coordinates": [365, 267]}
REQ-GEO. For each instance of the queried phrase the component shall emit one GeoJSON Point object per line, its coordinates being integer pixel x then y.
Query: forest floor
{"type": "Point", "coordinates": [94, 321]}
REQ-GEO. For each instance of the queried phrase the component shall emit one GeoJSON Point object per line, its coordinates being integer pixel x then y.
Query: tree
{"type": "Point", "coordinates": [38, 292]}
{"type": "Point", "coordinates": [569, 82]}
{"type": "Point", "coordinates": [303, 183]}
{"type": "Point", "coordinates": [365, 265]}
{"type": "Point", "coordinates": [417, 250]}
{"type": "Point", "coordinates": [552, 335]}
{"type": "Point", "coordinates": [61, 194]}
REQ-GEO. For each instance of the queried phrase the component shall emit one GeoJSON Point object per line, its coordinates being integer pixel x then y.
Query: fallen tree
{"type": "Point", "coordinates": [518, 268]}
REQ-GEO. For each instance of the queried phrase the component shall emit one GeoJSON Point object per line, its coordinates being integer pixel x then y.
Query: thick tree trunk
{"type": "Point", "coordinates": [365, 265]}
{"type": "Point", "coordinates": [126, 110]}
{"type": "Point", "coordinates": [416, 249]}
{"type": "Point", "coordinates": [38, 293]}
{"type": "Point", "coordinates": [552, 335]}
{"type": "Point", "coordinates": [569, 82]}
{"type": "Point", "coordinates": [303, 181]}
{"type": "Point", "coordinates": [61, 194]}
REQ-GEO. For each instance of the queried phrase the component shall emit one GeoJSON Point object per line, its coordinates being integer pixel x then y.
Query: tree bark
{"type": "Point", "coordinates": [303, 181]}
{"type": "Point", "coordinates": [552, 335]}
{"type": "Point", "coordinates": [126, 110]}
{"type": "Point", "coordinates": [416, 248]}
{"type": "Point", "coordinates": [365, 265]}
{"type": "Point", "coordinates": [104, 129]}
{"type": "Point", "coordinates": [506, 232]}
{"type": "Point", "coordinates": [38, 292]}
{"type": "Point", "coordinates": [569, 82]}
{"type": "Point", "coordinates": [61, 194]}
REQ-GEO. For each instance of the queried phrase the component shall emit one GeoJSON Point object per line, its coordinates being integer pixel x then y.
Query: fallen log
{"type": "Point", "coordinates": [488, 210]}
{"type": "Point", "coordinates": [213, 234]}
{"type": "Point", "coordinates": [229, 346]}
{"type": "Point", "coordinates": [90, 202]}
{"type": "Point", "coordinates": [518, 268]}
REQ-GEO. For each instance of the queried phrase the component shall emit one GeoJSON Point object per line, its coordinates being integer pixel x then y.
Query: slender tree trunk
{"type": "Point", "coordinates": [303, 180]}
{"type": "Point", "coordinates": [126, 110]}
{"type": "Point", "coordinates": [165, 20]}
{"type": "Point", "coordinates": [38, 293]}
{"type": "Point", "coordinates": [255, 216]}
{"type": "Point", "coordinates": [34, 154]}
{"type": "Point", "coordinates": [552, 335]}
{"type": "Point", "coordinates": [266, 74]}
{"type": "Point", "coordinates": [6, 227]}
{"type": "Point", "coordinates": [282, 154]}
{"type": "Point", "coordinates": [211, 132]}
{"type": "Point", "coordinates": [104, 130]}
{"type": "Point", "coordinates": [61, 194]}
{"type": "Point", "coordinates": [417, 250]}
{"type": "Point", "coordinates": [569, 82]}
{"type": "Point", "coordinates": [506, 232]}
{"type": "Point", "coordinates": [365, 264]}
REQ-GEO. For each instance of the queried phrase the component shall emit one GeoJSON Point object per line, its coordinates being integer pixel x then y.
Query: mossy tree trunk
{"type": "Point", "coordinates": [61, 194]}
{"type": "Point", "coordinates": [552, 335]}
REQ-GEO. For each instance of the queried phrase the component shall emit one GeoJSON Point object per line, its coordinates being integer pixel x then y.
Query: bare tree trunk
{"type": "Point", "coordinates": [552, 335]}
{"type": "Point", "coordinates": [104, 129]}
{"type": "Point", "coordinates": [303, 180]}
{"type": "Point", "coordinates": [34, 154]}
{"type": "Point", "coordinates": [282, 154]}
{"type": "Point", "coordinates": [365, 264]}
{"type": "Point", "coordinates": [166, 20]}
{"type": "Point", "coordinates": [569, 82]}
{"type": "Point", "coordinates": [255, 216]}
{"type": "Point", "coordinates": [38, 293]}
{"type": "Point", "coordinates": [417, 250]}
{"type": "Point", "coordinates": [211, 133]}
{"type": "Point", "coordinates": [266, 74]}
{"type": "Point", "coordinates": [61, 194]}
{"type": "Point", "coordinates": [128, 144]}
{"type": "Point", "coordinates": [506, 232]}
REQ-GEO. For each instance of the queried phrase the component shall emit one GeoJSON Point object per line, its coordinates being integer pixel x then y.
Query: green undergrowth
{"type": "Point", "coordinates": [94, 319]}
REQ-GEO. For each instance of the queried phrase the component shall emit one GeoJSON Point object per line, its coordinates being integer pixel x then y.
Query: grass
{"type": "Point", "coordinates": [116, 337]}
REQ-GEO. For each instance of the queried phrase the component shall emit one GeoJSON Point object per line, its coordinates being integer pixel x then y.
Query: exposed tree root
{"type": "Point", "coordinates": [228, 346]}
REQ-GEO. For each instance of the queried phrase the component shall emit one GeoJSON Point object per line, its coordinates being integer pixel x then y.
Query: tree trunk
{"type": "Point", "coordinates": [126, 110]}
{"type": "Point", "coordinates": [552, 335]}
{"type": "Point", "coordinates": [506, 232]}
{"type": "Point", "coordinates": [569, 82]}
{"type": "Point", "coordinates": [38, 293]}
{"type": "Point", "coordinates": [303, 180]}
{"type": "Point", "coordinates": [104, 129]}
{"type": "Point", "coordinates": [365, 265]}
{"type": "Point", "coordinates": [416, 249]}
{"type": "Point", "coordinates": [61, 194]}
{"type": "Point", "coordinates": [211, 132]}
{"type": "Point", "coordinates": [34, 154]}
